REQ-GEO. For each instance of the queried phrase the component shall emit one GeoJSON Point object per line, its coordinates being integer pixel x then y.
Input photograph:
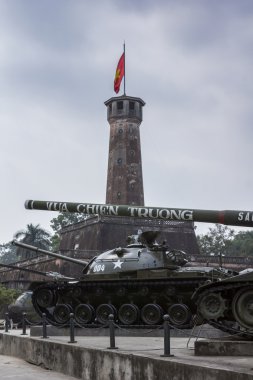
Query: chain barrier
{"type": "Point", "coordinates": [7, 323]}
{"type": "Point", "coordinates": [93, 327]}
{"type": "Point", "coordinates": [166, 326]}
{"type": "Point", "coordinates": [44, 326]}
{"type": "Point", "coordinates": [24, 324]}
{"type": "Point", "coordinates": [137, 327]}
{"type": "Point", "coordinates": [112, 332]}
{"type": "Point", "coordinates": [72, 328]}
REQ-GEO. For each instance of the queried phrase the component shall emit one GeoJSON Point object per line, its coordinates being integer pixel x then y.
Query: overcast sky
{"type": "Point", "coordinates": [191, 62]}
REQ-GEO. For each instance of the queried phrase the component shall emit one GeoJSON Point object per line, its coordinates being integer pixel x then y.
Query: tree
{"type": "Point", "coordinates": [62, 220]}
{"type": "Point", "coordinates": [65, 218]}
{"type": "Point", "coordinates": [33, 235]}
{"type": "Point", "coordinates": [242, 244]}
{"type": "Point", "coordinates": [8, 253]}
{"type": "Point", "coordinates": [7, 296]}
{"type": "Point", "coordinates": [217, 241]}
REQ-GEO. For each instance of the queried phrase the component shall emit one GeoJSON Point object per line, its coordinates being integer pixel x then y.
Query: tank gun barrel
{"type": "Point", "coordinates": [49, 253]}
{"type": "Point", "coordinates": [55, 275]}
{"type": "Point", "coordinates": [15, 267]}
{"type": "Point", "coordinates": [227, 217]}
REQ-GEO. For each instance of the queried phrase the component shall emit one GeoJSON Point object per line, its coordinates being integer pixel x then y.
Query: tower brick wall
{"type": "Point", "coordinates": [124, 175]}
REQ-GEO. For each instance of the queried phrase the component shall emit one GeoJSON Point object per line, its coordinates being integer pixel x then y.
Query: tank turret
{"type": "Point", "coordinates": [142, 254]}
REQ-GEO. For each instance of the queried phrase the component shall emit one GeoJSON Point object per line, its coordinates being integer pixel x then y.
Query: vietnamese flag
{"type": "Point", "coordinates": [120, 72]}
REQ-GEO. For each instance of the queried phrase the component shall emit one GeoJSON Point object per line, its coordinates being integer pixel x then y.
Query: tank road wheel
{"type": "Point", "coordinates": [128, 314]}
{"type": "Point", "coordinates": [84, 313]}
{"type": "Point", "coordinates": [61, 313]}
{"type": "Point", "coordinates": [242, 307]}
{"type": "Point", "coordinates": [45, 298]}
{"type": "Point", "coordinates": [212, 306]}
{"type": "Point", "coordinates": [103, 311]}
{"type": "Point", "coordinates": [179, 314]}
{"type": "Point", "coordinates": [151, 314]}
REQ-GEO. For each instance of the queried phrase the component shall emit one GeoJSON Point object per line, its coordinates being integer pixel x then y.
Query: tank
{"type": "Point", "coordinates": [23, 304]}
{"type": "Point", "coordinates": [141, 282]}
{"type": "Point", "coordinates": [228, 304]}
{"type": "Point", "coordinates": [137, 284]}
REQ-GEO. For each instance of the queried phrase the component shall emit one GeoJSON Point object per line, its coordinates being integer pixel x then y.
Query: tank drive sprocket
{"type": "Point", "coordinates": [242, 307]}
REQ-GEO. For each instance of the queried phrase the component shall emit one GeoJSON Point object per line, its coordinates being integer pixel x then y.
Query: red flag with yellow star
{"type": "Point", "coordinates": [120, 72]}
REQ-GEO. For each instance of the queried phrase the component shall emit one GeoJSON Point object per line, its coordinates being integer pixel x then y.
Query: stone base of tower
{"type": "Point", "coordinates": [98, 234]}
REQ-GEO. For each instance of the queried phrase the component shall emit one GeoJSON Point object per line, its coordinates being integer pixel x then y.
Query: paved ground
{"type": "Point", "coordinates": [13, 368]}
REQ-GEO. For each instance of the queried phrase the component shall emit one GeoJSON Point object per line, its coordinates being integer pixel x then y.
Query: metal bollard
{"type": "Point", "coordinates": [7, 321]}
{"type": "Point", "coordinates": [24, 324]}
{"type": "Point", "coordinates": [112, 332]}
{"type": "Point", "coordinates": [44, 326]}
{"type": "Point", "coordinates": [166, 327]}
{"type": "Point", "coordinates": [72, 328]}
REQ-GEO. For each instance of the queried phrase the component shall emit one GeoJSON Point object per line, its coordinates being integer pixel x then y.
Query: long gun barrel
{"type": "Point", "coordinates": [15, 267]}
{"type": "Point", "coordinates": [49, 253]}
{"type": "Point", "coordinates": [228, 217]}
{"type": "Point", "coordinates": [55, 275]}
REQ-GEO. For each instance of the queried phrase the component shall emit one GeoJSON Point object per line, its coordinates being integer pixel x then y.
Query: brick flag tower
{"type": "Point", "coordinates": [124, 186]}
{"type": "Point", "coordinates": [124, 175]}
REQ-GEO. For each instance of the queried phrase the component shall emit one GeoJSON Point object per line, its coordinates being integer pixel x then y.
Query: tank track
{"type": "Point", "coordinates": [227, 323]}
{"type": "Point", "coordinates": [160, 292]}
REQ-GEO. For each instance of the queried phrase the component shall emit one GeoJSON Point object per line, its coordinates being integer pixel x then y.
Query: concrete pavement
{"type": "Point", "coordinates": [14, 368]}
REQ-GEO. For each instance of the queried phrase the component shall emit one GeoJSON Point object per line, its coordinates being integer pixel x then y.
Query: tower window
{"type": "Point", "coordinates": [119, 161]}
{"type": "Point", "coordinates": [131, 105]}
{"type": "Point", "coordinates": [120, 105]}
{"type": "Point", "coordinates": [110, 108]}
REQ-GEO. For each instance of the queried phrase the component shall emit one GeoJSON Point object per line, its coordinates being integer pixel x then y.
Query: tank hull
{"type": "Point", "coordinates": [228, 305]}
{"type": "Point", "coordinates": [138, 298]}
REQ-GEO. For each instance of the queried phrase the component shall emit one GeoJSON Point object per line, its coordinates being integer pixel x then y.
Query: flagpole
{"type": "Point", "coordinates": [124, 69]}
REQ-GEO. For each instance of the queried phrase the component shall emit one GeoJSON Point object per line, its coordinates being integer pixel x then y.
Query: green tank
{"type": "Point", "coordinates": [141, 282]}
{"type": "Point", "coordinates": [23, 303]}
{"type": "Point", "coordinates": [228, 304]}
